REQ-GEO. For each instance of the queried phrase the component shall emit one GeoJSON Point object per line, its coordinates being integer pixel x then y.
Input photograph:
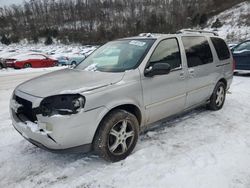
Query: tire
{"type": "Point", "coordinates": [236, 73]}
{"type": "Point", "coordinates": [55, 64]}
{"type": "Point", "coordinates": [27, 65]}
{"type": "Point", "coordinates": [1, 66]}
{"type": "Point", "coordinates": [218, 97]}
{"type": "Point", "coordinates": [116, 136]}
{"type": "Point", "coordinates": [73, 63]}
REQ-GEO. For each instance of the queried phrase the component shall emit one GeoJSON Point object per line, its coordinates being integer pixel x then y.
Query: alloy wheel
{"type": "Point", "coordinates": [220, 96]}
{"type": "Point", "coordinates": [121, 137]}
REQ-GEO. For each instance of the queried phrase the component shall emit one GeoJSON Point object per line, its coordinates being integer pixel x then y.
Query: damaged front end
{"type": "Point", "coordinates": [45, 122]}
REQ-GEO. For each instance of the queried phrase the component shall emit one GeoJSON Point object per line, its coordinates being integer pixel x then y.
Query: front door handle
{"type": "Point", "coordinates": [182, 75]}
{"type": "Point", "coordinates": [191, 72]}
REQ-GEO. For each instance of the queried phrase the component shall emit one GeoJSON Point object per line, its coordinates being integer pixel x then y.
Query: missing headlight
{"type": "Point", "coordinates": [62, 104]}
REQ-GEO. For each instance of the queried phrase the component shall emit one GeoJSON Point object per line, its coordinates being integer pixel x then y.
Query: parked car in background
{"type": "Point", "coordinates": [123, 87]}
{"type": "Point", "coordinates": [232, 45]}
{"type": "Point", "coordinates": [30, 60]}
{"type": "Point", "coordinates": [1, 65]}
{"type": "Point", "coordinates": [241, 55]}
{"type": "Point", "coordinates": [89, 50]}
{"type": "Point", "coordinates": [6, 55]}
{"type": "Point", "coordinates": [71, 59]}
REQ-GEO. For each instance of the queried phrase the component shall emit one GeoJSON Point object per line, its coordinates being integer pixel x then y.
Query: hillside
{"type": "Point", "coordinates": [98, 21]}
{"type": "Point", "coordinates": [232, 24]}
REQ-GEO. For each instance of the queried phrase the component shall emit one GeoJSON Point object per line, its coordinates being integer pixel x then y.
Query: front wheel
{"type": "Point", "coordinates": [218, 97]}
{"type": "Point", "coordinates": [117, 135]}
{"type": "Point", "coordinates": [27, 65]}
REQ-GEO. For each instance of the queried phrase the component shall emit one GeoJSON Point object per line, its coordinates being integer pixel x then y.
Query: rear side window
{"type": "Point", "coordinates": [197, 50]}
{"type": "Point", "coordinates": [221, 48]}
{"type": "Point", "coordinates": [37, 56]}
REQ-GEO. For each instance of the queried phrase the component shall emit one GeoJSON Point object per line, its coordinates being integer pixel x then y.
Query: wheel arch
{"type": "Point", "coordinates": [132, 108]}
{"type": "Point", "coordinates": [223, 80]}
{"type": "Point", "coordinates": [27, 63]}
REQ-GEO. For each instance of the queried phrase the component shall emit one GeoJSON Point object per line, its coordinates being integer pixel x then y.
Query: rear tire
{"type": "Point", "coordinates": [218, 97]}
{"type": "Point", "coordinates": [55, 64]}
{"type": "Point", "coordinates": [1, 66]}
{"type": "Point", "coordinates": [116, 136]}
{"type": "Point", "coordinates": [27, 65]}
{"type": "Point", "coordinates": [236, 73]}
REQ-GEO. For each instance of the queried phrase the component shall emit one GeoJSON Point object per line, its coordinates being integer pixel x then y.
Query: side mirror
{"type": "Point", "coordinates": [157, 69]}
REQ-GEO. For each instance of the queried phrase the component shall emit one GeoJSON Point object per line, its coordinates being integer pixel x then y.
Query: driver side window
{"type": "Point", "coordinates": [168, 52]}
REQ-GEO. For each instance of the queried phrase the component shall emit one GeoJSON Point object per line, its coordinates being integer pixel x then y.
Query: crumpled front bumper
{"type": "Point", "coordinates": [60, 133]}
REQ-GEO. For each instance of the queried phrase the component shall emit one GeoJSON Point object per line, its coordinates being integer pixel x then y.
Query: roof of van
{"type": "Point", "coordinates": [179, 33]}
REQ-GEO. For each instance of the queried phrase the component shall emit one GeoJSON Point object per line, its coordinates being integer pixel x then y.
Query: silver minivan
{"type": "Point", "coordinates": [125, 85]}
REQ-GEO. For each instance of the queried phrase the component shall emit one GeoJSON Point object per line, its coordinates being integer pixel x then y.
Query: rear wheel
{"type": "Point", "coordinates": [117, 135]}
{"type": "Point", "coordinates": [55, 64]}
{"type": "Point", "coordinates": [27, 65]}
{"type": "Point", "coordinates": [1, 66]}
{"type": "Point", "coordinates": [218, 97]}
{"type": "Point", "coordinates": [236, 73]}
{"type": "Point", "coordinates": [73, 63]}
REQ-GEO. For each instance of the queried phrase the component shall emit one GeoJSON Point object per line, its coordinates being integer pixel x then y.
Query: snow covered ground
{"type": "Point", "coordinates": [28, 71]}
{"type": "Point", "coordinates": [200, 149]}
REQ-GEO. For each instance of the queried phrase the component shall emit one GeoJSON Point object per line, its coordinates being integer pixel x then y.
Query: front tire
{"type": "Point", "coordinates": [117, 136]}
{"type": "Point", "coordinates": [218, 97]}
{"type": "Point", "coordinates": [27, 65]}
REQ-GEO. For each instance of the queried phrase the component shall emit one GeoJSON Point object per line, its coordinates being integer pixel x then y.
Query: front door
{"type": "Point", "coordinates": [165, 95]}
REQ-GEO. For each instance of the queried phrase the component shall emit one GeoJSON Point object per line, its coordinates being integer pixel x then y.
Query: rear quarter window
{"type": "Point", "coordinates": [221, 48]}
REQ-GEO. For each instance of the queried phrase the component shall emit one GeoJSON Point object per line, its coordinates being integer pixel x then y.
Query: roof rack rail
{"type": "Point", "coordinates": [150, 34]}
{"type": "Point", "coordinates": [145, 35]}
{"type": "Point", "coordinates": [197, 31]}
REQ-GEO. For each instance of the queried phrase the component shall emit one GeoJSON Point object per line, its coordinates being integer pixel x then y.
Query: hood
{"type": "Point", "coordinates": [68, 81]}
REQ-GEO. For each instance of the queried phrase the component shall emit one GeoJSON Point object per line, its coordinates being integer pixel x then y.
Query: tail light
{"type": "Point", "coordinates": [234, 65]}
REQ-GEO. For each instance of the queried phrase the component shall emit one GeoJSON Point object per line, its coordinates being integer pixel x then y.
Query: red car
{"type": "Point", "coordinates": [30, 60]}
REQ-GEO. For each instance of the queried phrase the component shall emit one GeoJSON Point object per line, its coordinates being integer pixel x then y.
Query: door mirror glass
{"type": "Point", "coordinates": [157, 69]}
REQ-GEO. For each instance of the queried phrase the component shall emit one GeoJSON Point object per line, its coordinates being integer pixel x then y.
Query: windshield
{"type": "Point", "coordinates": [117, 56]}
{"type": "Point", "coordinates": [243, 47]}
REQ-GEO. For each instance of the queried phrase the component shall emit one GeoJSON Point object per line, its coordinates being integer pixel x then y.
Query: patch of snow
{"type": "Point", "coordinates": [30, 125]}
